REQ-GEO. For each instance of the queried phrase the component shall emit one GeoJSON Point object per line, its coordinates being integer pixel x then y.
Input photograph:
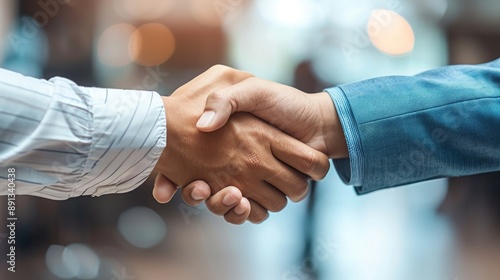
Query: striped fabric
{"type": "Point", "coordinates": [66, 141]}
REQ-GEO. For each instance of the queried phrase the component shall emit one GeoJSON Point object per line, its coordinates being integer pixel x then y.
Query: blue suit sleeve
{"type": "Point", "coordinates": [401, 130]}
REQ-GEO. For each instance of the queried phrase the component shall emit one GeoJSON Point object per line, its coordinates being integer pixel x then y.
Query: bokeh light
{"type": "Point", "coordinates": [85, 262]}
{"type": "Point", "coordinates": [56, 259]}
{"type": "Point", "coordinates": [273, 37]}
{"type": "Point", "coordinates": [113, 45]}
{"type": "Point", "coordinates": [75, 260]}
{"type": "Point", "coordinates": [349, 50]}
{"type": "Point", "coordinates": [152, 44]}
{"type": "Point", "coordinates": [310, 44]}
{"type": "Point", "coordinates": [142, 227]}
{"type": "Point", "coordinates": [292, 13]}
{"type": "Point", "coordinates": [390, 33]}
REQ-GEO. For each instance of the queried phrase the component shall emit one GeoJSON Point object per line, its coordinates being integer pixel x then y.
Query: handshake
{"type": "Point", "coordinates": [243, 145]}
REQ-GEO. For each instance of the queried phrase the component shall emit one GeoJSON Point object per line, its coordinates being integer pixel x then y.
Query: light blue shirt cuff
{"type": "Point", "coordinates": [350, 170]}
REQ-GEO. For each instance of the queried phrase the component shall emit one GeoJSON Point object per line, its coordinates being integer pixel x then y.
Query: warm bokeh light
{"type": "Point", "coordinates": [113, 45]}
{"type": "Point", "coordinates": [152, 44]}
{"type": "Point", "coordinates": [390, 33]}
{"type": "Point", "coordinates": [147, 9]}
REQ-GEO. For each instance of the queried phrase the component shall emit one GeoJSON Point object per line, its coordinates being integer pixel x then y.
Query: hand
{"type": "Point", "coordinates": [267, 164]}
{"type": "Point", "coordinates": [311, 118]}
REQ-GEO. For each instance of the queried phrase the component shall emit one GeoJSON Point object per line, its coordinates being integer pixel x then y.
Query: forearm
{"type": "Point", "coordinates": [68, 141]}
{"type": "Point", "coordinates": [436, 124]}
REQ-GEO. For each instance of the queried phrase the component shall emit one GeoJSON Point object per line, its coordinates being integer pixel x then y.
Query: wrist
{"type": "Point", "coordinates": [333, 133]}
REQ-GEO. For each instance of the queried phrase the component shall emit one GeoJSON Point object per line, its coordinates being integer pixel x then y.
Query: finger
{"type": "Point", "coordinates": [195, 193]}
{"type": "Point", "coordinates": [290, 182]}
{"type": "Point", "coordinates": [268, 196]}
{"type": "Point", "coordinates": [224, 200]}
{"type": "Point", "coordinates": [164, 189]}
{"type": "Point", "coordinates": [300, 156]}
{"type": "Point", "coordinates": [258, 214]}
{"type": "Point", "coordinates": [243, 96]}
{"type": "Point", "coordinates": [239, 214]}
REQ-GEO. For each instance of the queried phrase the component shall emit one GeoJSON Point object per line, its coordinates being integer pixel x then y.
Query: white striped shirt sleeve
{"type": "Point", "coordinates": [66, 141]}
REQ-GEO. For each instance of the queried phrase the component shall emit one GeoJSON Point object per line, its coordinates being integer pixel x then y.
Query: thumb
{"type": "Point", "coordinates": [241, 97]}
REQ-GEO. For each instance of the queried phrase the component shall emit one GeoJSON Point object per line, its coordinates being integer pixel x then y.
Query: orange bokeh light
{"type": "Point", "coordinates": [390, 33]}
{"type": "Point", "coordinates": [152, 44]}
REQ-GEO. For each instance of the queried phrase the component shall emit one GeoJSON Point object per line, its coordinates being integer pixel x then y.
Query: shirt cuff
{"type": "Point", "coordinates": [128, 137]}
{"type": "Point", "coordinates": [350, 170]}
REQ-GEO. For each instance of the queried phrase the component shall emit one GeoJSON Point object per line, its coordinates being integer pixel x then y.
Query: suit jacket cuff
{"type": "Point", "coordinates": [350, 170]}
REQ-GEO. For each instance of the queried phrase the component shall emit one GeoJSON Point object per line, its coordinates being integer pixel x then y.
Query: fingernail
{"type": "Point", "coordinates": [229, 200]}
{"type": "Point", "coordinates": [239, 209]}
{"type": "Point", "coordinates": [196, 196]}
{"type": "Point", "coordinates": [206, 119]}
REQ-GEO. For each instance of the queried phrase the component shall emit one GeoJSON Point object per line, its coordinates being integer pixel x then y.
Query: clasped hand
{"type": "Point", "coordinates": [267, 155]}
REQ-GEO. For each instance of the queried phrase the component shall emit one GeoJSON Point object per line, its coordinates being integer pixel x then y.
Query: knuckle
{"type": "Point", "coordinates": [218, 96]}
{"type": "Point", "coordinates": [241, 75]}
{"type": "Point", "coordinates": [232, 75]}
{"type": "Point", "coordinates": [219, 68]}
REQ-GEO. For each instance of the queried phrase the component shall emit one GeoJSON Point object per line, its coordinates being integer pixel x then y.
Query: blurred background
{"type": "Point", "coordinates": [438, 230]}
